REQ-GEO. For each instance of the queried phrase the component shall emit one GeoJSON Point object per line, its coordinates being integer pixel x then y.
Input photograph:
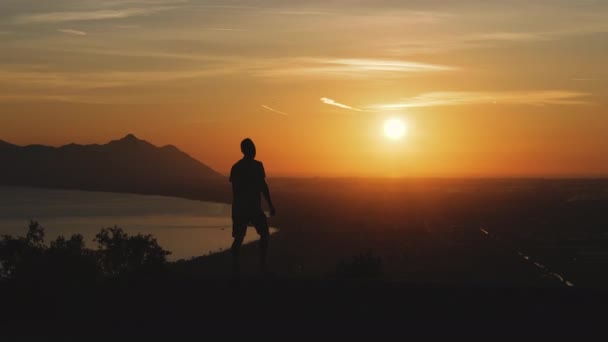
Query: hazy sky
{"type": "Point", "coordinates": [487, 87]}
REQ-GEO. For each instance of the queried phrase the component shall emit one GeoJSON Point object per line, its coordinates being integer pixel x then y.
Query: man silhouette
{"type": "Point", "coordinates": [248, 180]}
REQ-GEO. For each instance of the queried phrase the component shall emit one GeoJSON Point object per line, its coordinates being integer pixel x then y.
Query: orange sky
{"type": "Point", "coordinates": [492, 88]}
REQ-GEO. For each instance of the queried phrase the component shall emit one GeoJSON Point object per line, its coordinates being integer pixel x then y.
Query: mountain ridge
{"type": "Point", "coordinates": [128, 164]}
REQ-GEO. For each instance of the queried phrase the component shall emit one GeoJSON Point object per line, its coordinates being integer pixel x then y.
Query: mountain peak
{"type": "Point", "coordinates": [130, 140]}
{"type": "Point", "coordinates": [126, 164]}
{"type": "Point", "coordinates": [130, 137]}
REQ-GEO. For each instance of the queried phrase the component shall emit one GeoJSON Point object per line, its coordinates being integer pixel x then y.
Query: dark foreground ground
{"type": "Point", "coordinates": [374, 258]}
{"type": "Point", "coordinates": [291, 308]}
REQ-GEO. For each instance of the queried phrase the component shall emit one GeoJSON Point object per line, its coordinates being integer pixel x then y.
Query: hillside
{"type": "Point", "coordinates": [127, 164]}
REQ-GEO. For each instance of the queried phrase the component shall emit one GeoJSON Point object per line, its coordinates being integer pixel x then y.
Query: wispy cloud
{"type": "Point", "coordinates": [49, 81]}
{"type": "Point", "coordinates": [387, 65]}
{"type": "Point", "coordinates": [225, 29]}
{"type": "Point", "coordinates": [345, 68]}
{"type": "Point", "coordinates": [548, 97]}
{"type": "Point", "coordinates": [274, 110]}
{"type": "Point", "coordinates": [127, 26]}
{"type": "Point", "coordinates": [72, 32]}
{"type": "Point", "coordinates": [229, 7]}
{"type": "Point", "coordinates": [511, 36]}
{"type": "Point", "coordinates": [29, 97]}
{"type": "Point", "coordinates": [265, 10]}
{"type": "Point", "coordinates": [448, 41]}
{"type": "Point", "coordinates": [534, 36]}
{"type": "Point", "coordinates": [54, 17]}
{"type": "Point", "coordinates": [331, 102]}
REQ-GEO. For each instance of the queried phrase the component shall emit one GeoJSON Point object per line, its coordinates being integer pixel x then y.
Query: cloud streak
{"type": "Point", "coordinates": [73, 83]}
{"type": "Point", "coordinates": [72, 32]}
{"type": "Point", "coordinates": [331, 102]}
{"type": "Point", "coordinates": [345, 68]}
{"type": "Point", "coordinates": [548, 97]}
{"type": "Point", "coordinates": [274, 110]}
{"type": "Point", "coordinates": [388, 65]}
{"type": "Point", "coordinates": [56, 17]}
{"type": "Point", "coordinates": [536, 36]}
{"type": "Point", "coordinates": [225, 29]}
{"type": "Point", "coordinates": [511, 36]}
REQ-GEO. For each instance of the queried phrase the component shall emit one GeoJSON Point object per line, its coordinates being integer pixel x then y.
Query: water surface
{"type": "Point", "coordinates": [185, 227]}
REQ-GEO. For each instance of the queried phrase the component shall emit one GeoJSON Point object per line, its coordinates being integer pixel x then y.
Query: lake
{"type": "Point", "coordinates": [187, 228]}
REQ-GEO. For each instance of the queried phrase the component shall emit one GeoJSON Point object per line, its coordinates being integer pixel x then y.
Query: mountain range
{"type": "Point", "coordinates": [127, 165]}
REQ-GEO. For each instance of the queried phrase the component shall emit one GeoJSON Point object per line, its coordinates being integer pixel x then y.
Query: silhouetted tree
{"type": "Point", "coordinates": [69, 262]}
{"type": "Point", "coordinates": [35, 235]}
{"type": "Point", "coordinates": [120, 253]}
{"type": "Point", "coordinates": [21, 254]}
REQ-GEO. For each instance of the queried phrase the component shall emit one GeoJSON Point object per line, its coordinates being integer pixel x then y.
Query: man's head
{"type": "Point", "coordinates": [248, 148]}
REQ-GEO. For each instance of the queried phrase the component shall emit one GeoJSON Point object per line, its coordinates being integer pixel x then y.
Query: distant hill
{"type": "Point", "coordinates": [128, 164]}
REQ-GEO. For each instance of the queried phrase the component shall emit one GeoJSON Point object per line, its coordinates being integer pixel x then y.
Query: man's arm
{"type": "Point", "coordinates": [266, 193]}
{"type": "Point", "coordinates": [265, 190]}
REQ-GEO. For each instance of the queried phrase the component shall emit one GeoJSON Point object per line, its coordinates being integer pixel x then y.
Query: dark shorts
{"type": "Point", "coordinates": [257, 220]}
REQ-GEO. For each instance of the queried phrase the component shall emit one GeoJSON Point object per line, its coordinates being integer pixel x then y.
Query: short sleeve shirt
{"type": "Point", "coordinates": [247, 178]}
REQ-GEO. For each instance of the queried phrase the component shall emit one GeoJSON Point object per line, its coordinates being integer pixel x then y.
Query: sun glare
{"type": "Point", "coordinates": [395, 129]}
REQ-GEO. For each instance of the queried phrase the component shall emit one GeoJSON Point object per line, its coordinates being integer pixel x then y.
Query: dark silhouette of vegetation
{"type": "Point", "coordinates": [65, 261]}
{"type": "Point", "coordinates": [70, 260]}
{"type": "Point", "coordinates": [21, 255]}
{"type": "Point", "coordinates": [119, 253]}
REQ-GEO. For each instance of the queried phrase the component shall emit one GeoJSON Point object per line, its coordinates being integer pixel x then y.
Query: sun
{"type": "Point", "coordinates": [395, 129]}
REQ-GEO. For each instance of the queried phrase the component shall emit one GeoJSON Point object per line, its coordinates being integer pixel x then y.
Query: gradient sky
{"type": "Point", "coordinates": [488, 88]}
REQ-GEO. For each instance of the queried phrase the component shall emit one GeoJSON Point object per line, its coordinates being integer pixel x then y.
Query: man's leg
{"type": "Point", "coordinates": [235, 250]}
{"type": "Point", "coordinates": [238, 233]}
{"type": "Point", "coordinates": [264, 241]}
{"type": "Point", "coordinates": [261, 226]}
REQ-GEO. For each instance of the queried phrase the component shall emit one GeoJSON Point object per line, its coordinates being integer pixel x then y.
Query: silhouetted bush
{"type": "Point", "coordinates": [360, 266]}
{"type": "Point", "coordinates": [120, 253]}
{"type": "Point", "coordinates": [68, 261]}
{"type": "Point", "coordinates": [21, 254]}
